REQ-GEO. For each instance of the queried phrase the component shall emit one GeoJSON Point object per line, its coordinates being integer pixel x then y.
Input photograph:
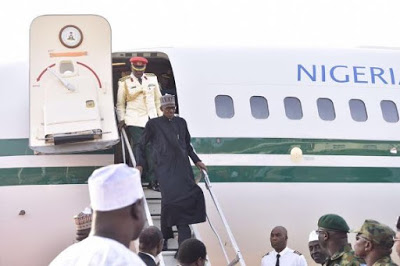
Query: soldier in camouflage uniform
{"type": "Point", "coordinates": [397, 239]}
{"type": "Point", "coordinates": [374, 242]}
{"type": "Point", "coordinates": [332, 236]}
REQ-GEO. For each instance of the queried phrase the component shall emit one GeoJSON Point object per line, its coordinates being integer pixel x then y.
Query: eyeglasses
{"type": "Point", "coordinates": [363, 237]}
{"type": "Point", "coordinates": [396, 239]}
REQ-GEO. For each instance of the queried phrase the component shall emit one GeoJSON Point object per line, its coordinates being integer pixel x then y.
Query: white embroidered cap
{"type": "Point", "coordinates": [167, 100]}
{"type": "Point", "coordinates": [313, 236]}
{"type": "Point", "coordinates": [114, 187]}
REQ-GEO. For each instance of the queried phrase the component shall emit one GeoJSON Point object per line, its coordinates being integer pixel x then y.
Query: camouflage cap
{"type": "Point", "coordinates": [333, 222]}
{"type": "Point", "coordinates": [378, 233]}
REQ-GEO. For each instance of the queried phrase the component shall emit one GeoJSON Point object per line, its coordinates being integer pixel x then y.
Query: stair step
{"type": "Point", "coordinates": [149, 193]}
{"type": "Point", "coordinates": [153, 199]}
{"type": "Point", "coordinates": [154, 207]}
{"type": "Point", "coordinates": [169, 259]}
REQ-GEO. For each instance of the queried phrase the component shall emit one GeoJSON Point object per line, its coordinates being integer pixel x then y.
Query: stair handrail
{"type": "Point", "coordinates": [125, 142]}
{"type": "Point", "coordinates": [238, 258]}
{"type": "Point", "coordinates": [219, 239]}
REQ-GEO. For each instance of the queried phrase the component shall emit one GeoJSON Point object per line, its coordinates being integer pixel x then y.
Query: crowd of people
{"type": "Point", "coordinates": [118, 217]}
{"type": "Point", "coordinates": [328, 245]}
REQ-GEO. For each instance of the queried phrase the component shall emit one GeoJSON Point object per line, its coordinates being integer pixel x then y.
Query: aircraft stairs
{"type": "Point", "coordinates": [153, 199]}
{"type": "Point", "coordinates": [152, 204]}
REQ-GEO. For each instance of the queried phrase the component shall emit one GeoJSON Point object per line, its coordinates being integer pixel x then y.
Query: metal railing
{"type": "Point", "coordinates": [238, 258]}
{"type": "Point", "coordinates": [125, 142]}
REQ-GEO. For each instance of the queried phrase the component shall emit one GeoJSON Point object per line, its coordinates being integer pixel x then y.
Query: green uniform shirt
{"type": "Point", "coordinates": [344, 257]}
{"type": "Point", "coordinates": [384, 261]}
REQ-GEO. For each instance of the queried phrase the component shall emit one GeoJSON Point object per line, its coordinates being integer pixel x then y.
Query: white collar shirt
{"type": "Point", "coordinates": [97, 251]}
{"type": "Point", "coordinates": [288, 257]}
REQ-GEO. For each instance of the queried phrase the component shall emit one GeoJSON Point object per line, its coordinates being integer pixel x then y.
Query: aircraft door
{"type": "Point", "coordinates": [71, 98]}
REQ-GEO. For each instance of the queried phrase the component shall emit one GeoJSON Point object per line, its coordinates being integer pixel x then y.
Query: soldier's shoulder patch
{"type": "Point", "coordinates": [150, 74]}
{"type": "Point", "coordinates": [296, 252]}
{"type": "Point", "coordinates": [266, 254]}
{"type": "Point", "coordinates": [124, 78]}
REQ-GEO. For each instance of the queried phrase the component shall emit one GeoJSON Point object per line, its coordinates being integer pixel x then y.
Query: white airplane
{"type": "Point", "coordinates": [287, 134]}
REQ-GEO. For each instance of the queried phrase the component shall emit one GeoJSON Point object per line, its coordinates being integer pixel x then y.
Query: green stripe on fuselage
{"type": "Point", "coordinates": [289, 174]}
{"type": "Point", "coordinates": [45, 175]}
{"type": "Point", "coordinates": [14, 147]}
{"type": "Point", "coordinates": [295, 174]}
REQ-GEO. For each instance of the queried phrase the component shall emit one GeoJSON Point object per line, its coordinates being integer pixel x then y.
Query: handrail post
{"type": "Point", "coordinates": [125, 141]}
{"type": "Point", "coordinates": [239, 257]}
{"type": "Point", "coordinates": [129, 147]}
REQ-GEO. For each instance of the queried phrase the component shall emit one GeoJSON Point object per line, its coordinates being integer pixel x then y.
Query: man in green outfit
{"type": "Point", "coordinates": [332, 236]}
{"type": "Point", "coordinates": [374, 242]}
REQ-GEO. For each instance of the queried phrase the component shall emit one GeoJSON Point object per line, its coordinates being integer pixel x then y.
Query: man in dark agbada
{"type": "Point", "coordinates": [182, 200]}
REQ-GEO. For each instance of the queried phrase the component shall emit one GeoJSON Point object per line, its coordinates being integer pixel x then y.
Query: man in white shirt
{"type": "Point", "coordinates": [116, 197]}
{"type": "Point", "coordinates": [282, 255]}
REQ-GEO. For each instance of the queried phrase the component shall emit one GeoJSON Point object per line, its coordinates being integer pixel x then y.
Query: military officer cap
{"type": "Point", "coordinates": [333, 222]}
{"type": "Point", "coordinates": [398, 223]}
{"type": "Point", "coordinates": [167, 100]}
{"type": "Point", "coordinates": [377, 233]}
{"type": "Point", "coordinates": [138, 63]}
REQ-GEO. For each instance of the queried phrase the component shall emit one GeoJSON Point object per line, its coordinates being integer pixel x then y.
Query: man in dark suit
{"type": "Point", "coordinates": [150, 245]}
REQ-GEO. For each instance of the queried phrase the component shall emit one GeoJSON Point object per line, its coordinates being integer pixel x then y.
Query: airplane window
{"type": "Point", "coordinates": [259, 107]}
{"type": "Point", "coordinates": [358, 111]}
{"type": "Point", "coordinates": [389, 111]}
{"type": "Point", "coordinates": [326, 110]}
{"type": "Point", "coordinates": [224, 106]}
{"type": "Point", "coordinates": [66, 66]}
{"type": "Point", "coordinates": [293, 108]}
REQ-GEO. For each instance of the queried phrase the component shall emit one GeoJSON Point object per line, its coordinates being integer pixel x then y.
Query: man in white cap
{"type": "Point", "coordinates": [182, 200]}
{"type": "Point", "coordinates": [116, 198]}
{"type": "Point", "coordinates": [316, 251]}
